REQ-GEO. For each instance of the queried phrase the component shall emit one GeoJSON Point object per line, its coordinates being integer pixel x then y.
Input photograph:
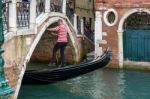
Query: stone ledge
{"type": "Point", "coordinates": [137, 65]}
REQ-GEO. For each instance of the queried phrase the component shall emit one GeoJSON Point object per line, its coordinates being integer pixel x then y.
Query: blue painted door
{"type": "Point", "coordinates": [136, 45]}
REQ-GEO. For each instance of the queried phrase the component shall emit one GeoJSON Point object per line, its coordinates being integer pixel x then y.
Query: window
{"type": "Point", "coordinates": [110, 17]}
{"type": "Point", "coordinates": [78, 25]}
{"type": "Point", "coordinates": [90, 22]}
{"type": "Point", "coordinates": [84, 20]}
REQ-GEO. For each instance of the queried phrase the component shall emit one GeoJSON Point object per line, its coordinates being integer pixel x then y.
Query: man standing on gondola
{"type": "Point", "coordinates": [62, 40]}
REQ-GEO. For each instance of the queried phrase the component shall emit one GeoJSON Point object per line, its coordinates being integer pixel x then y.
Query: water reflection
{"type": "Point", "coordinates": [100, 84]}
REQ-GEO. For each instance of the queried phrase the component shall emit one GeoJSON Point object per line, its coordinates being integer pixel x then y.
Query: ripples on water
{"type": "Point", "coordinates": [100, 84]}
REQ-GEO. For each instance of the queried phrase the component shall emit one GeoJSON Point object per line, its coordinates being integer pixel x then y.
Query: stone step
{"type": "Point", "coordinates": [89, 56]}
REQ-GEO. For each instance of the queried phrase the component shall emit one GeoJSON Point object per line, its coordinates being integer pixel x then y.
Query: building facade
{"type": "Point", "coordinates": [84, 11]}
{"type": "Point", "coordinates": [125, 26]}
{"type": "Point", "coordinates": [83, 14]}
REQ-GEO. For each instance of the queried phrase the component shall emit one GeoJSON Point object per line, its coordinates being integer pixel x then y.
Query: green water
{"type": "Point", "coordinates": [100, 84]}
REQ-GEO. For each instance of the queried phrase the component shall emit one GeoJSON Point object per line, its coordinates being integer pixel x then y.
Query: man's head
{"type": "Point", "coordinates": [60, 21]}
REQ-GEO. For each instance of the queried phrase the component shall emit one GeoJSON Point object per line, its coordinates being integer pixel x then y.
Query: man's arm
{"type": "Point", "coordinates": [51, 29]}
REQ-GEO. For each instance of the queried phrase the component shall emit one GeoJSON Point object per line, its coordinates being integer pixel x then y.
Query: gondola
{"type": "Point", "coordinates": [47, 76]}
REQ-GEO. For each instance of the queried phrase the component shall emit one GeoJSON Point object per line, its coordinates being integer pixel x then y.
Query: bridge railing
{"type": "Point", "coordinates": [23, 14]}
{"type": "Point", "coordinates": [56, 5]}
{"type": "Point", "coordinates": [89, 34]}
{"type": "Point", "coordinates": [5, 11]}
{"type": "Point", "coordinates": [40, 7]}
{"type": "Point", "coordinates": [70, 11]}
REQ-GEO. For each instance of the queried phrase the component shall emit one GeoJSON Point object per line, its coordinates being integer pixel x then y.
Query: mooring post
{"type": "Point", "coordinates": [5, 90]}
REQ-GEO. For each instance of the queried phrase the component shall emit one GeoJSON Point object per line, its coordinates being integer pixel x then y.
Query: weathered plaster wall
{"type": "Point", "coordinates": [15, 52]}
{"type": "Point", "coordinates": [84, 8]}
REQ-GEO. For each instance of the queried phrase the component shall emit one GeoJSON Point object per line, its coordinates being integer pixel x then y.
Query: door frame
{"type": "Point", "coordinates": [121, 30]}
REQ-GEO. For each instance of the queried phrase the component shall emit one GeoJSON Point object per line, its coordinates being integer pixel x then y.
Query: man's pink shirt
{"type": "Point", "coordinates": [62, 33]}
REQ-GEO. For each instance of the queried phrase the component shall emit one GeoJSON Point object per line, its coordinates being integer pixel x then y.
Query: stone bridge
{"type": "Point", "coordinates": [33, 42]}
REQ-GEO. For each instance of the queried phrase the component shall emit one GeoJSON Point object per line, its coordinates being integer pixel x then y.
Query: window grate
{"type": "Point", "coordinates": [139, 20]}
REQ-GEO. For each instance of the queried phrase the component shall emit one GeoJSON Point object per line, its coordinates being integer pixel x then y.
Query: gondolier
{"type": "Point", "coordinates": [61, 43]}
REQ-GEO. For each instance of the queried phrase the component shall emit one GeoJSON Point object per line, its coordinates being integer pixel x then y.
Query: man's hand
{"type": "Point", "coordinates": [51, 29]}
{"type": "Point", "coordinates": [55, 34]}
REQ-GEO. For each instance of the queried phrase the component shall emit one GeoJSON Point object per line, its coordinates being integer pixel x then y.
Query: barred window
{"type": "Point", "coordinates": [138, 20]}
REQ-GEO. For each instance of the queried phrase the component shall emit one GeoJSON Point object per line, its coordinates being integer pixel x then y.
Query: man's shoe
{"type": "Point", "coordinates": [62, 65]}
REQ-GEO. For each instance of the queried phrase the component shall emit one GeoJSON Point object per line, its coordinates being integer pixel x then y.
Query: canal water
{"type": "Point", "coordinates": [99, 84]}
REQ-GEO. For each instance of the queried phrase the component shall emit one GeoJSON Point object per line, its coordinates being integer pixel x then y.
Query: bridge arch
{"type": "Point", "coordinates": [52, 18]}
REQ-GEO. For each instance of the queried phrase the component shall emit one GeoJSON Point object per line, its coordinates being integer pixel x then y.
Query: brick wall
{"type": "Point", "coordinates": [121, 7]}
{"type": "Point", "coordinates": [43, 51]}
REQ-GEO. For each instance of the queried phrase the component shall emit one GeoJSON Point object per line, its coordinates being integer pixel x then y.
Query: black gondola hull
{"type": "Point", "coordinates": [50, 76]}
